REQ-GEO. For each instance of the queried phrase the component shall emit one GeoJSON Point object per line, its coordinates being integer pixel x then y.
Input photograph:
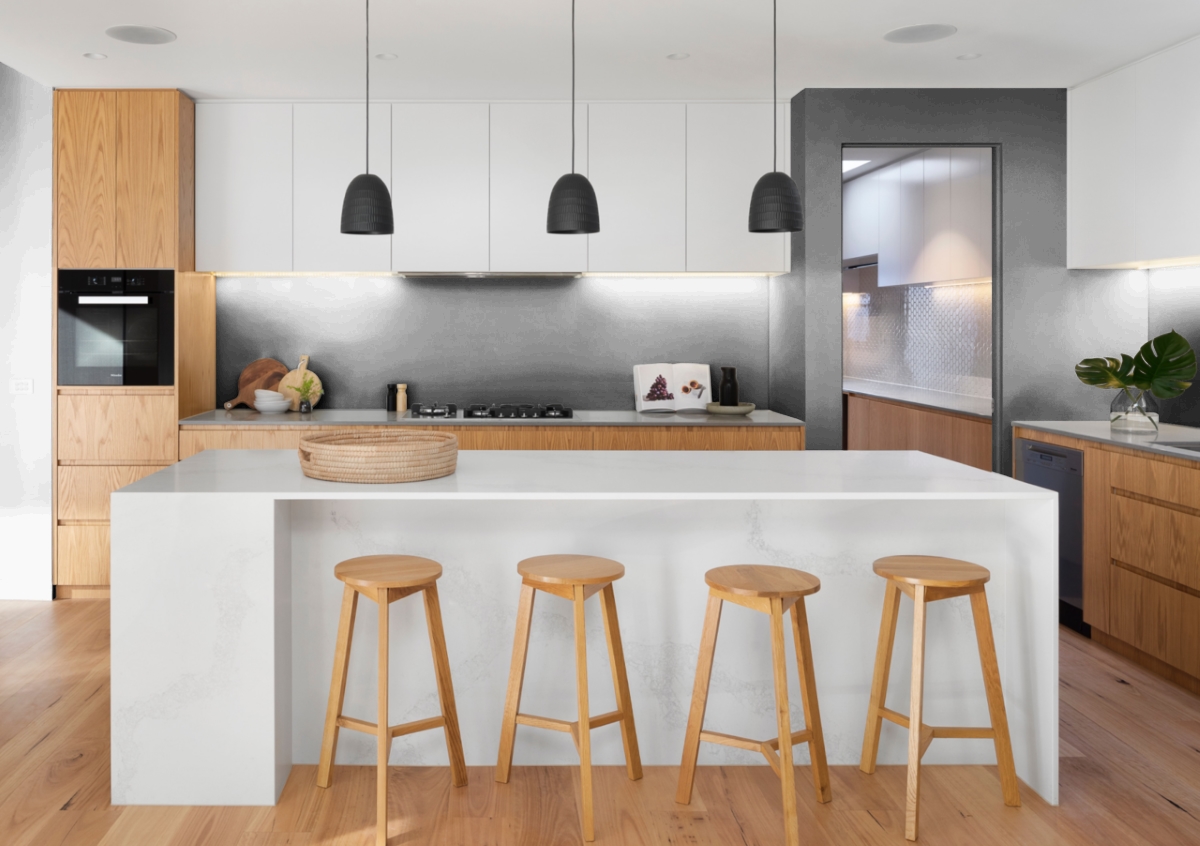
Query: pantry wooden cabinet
{"type": "Point", "coordinates": [124, 179]}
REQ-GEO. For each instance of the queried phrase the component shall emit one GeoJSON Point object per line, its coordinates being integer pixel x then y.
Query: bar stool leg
{"type": "Point", "coordinates": [516, 678]}
{"type": "Point", "coordinates": [916, 696]}
{"type": "Point", "coordinates": [337, 687]}
{"type": "Point", "coordinates": [879, 683]}
{"type": "Point", "coordinates": [584, 740]}
{"type": "Point", "coordinates": [783, 714]}
{"type": "Point", "coordinates": [441, 665]}
{"type": "Point", "coordinates": [995, 697]}
{"type": "Point", "coordinates": [808, 697]}
{"type": "Point", "coordinates": [691, 740]}
{"type": "Point", "coordinates": [384, 736]}
{"type": "Point", "coordinates": [616, 659]}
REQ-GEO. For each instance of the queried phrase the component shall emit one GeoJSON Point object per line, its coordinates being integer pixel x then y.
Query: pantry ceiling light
{"type": "Point", "coordinates": [850, 164]}
{"type": "Point", "coordinates": [95, 55]}
{"type": "Point", "coordinates": [920, 33]}
{"type": "Point", "coordinates": [966, 57]}
{"type": "Point", "coordinates": [677, 57]}
{"type": "Point", "coordinates": [386, 57]}
{"type": "Point", "coordinates": [140, 34]}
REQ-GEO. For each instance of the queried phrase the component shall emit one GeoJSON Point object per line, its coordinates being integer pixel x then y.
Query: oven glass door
{"type": "Point", "coordinates": [115, 339]}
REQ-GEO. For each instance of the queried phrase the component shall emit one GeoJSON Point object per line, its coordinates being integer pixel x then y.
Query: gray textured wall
{"type": "Point", "coordinates": [1047, 316]}
{"type": "Point", "coordinates": [1175, 304]}
{"type": "Point", "coordinates": [452, 339]}
{"type": "Point", "coordinates": [25, 310]}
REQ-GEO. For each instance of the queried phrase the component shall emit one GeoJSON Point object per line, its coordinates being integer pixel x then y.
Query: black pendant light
{"type": "Point", "coordinates": [367, 208]}
{"type": "Point", "coordinates": [573, 209]}
{"type": "Point", "coordinates": [775, 203]}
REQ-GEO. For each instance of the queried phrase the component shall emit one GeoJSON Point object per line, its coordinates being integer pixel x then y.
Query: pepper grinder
{"type": "Point", "coordinates": [402, 398]}
{"type": "Point", "coordinates": [729, 386]}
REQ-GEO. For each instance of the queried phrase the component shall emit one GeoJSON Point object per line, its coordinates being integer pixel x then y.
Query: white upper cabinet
{"type": "Point", "coordinates": [329, 150]}
{"type": "Point", "coordinates": [940, 238]}
{"type": "Point", "coordinates": [440, 187]}
{"type": "Point", "coordinates": [637, 164]}
{"type": "Point", "coordinates": [890, 251]}
{"type": "Point", "coordinates": [728, 149]}
{"type": "Point", "coordinates": [971, 210]}
{"type": "Point", "coordinates": [244, 186]}
{"type": "Point", "coordinates": [1132, 170]}
{"type": "Point", "coordinates": [860, 216]}
{"type": "Point", "coordinates": [530, 150]}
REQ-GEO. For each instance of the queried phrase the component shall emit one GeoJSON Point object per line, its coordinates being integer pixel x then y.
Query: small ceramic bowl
{"type": "Point", "coordinates": [273, 406]}
{"type": "Point", "coordinates": [267, 395]}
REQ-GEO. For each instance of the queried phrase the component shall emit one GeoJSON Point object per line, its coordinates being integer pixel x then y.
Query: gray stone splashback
{"type": "Point", "coordinates": [939, 338]}
{"type": "Point", "coordinates": [456, 339]}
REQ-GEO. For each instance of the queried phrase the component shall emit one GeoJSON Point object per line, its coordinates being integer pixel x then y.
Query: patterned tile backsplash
{"type": "Point", "coordinates": [939, 339]}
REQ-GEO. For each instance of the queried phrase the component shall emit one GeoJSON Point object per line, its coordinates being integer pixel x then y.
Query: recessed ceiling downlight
{"type": "Point", "coordinates": [140, 34]}
{"type": "Point", "coordinates": [386, 57]}
{"type": "Point", "coordinates": [968, 57]}
{"type": "Point", "coordinates": [95, 55]}
{"type": "Point", "coordinates": [920, 33]}
{"type": "Point", "coordinates": [678, 57]}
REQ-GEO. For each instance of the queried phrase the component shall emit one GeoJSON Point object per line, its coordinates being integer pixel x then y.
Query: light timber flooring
{"type": "Point", "coordinates": [1130, 775]}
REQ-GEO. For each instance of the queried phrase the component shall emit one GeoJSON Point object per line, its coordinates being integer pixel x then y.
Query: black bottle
{"type": "Point", "coordinates": [729, 386]}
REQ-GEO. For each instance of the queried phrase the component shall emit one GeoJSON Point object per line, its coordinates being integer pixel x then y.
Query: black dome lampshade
{"type": "Point", "coordinates": [573, 209]}
{"type": "Point", "coordinates": [367, 206]}
{"type": "Point", "coordinates": [775, 204]}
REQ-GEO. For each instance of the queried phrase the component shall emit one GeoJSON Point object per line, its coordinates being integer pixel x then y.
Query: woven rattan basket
{"type": "Point", "coordinates": [378, 457]}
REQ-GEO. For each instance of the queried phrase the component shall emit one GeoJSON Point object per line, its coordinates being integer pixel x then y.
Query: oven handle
{"type": "Point", "coordinates": [86, 300]}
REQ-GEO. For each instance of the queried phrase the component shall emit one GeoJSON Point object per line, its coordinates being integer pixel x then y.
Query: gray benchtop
{"type": "Point", "coordinates": [379, 417]}
{"type": "Point", "coordinates": [940, 400]}
{"type": "Point", "coordinates": [1099, 431]}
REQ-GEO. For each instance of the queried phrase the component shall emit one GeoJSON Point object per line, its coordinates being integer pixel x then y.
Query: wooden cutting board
{"type": "Point", "coordinates": [290, 384]}
{"type": "Point", "coordinates": [264, 374]}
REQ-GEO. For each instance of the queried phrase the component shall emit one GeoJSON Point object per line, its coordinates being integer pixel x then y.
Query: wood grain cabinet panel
{"type": "Point", "coordinates": [1159, 620]}
{"type": "Point", "coordinates": [1169, 483]}
{"type": "Point", "coordinates": [521, 437]}
{"type": "Point", "coordinates": [85, 136]}
{"type": "Point", "coordinates": [883, 425]}
{"type": "Point", "coordinates": [1096, 556]}
{"type": "Point", "coordinates": [1162, 541]}
{"type": "Point", "coordinates": [83, 555]}
{"type": "Point", "coordinates": [117, 428]}
{"type": "Point", "coordinates": [697, 438]}
{"type": "Point", "coordinates": [83, 490]}
{"type": "Point", "coordinates": [147, 190]}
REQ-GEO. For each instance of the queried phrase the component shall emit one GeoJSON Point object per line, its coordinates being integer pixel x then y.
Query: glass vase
{"type": "Point", "coordinates": [1134, 412]}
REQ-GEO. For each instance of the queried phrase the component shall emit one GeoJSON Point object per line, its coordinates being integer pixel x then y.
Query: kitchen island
{"type": "Point", "coordinates": [225, 608]}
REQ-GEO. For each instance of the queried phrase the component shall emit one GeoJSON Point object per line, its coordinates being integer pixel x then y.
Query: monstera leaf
{"type": "Point", "coordinates": [1106, 372]}
{"type": "Point", "coordinates": [1165, 366]}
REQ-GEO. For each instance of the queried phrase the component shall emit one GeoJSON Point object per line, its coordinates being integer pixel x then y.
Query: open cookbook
{"type": "Point", "coordinates": [672, 387]}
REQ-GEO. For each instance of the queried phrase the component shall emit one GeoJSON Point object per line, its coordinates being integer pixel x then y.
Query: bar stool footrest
{"type": "Point", "coordinates": [768, 748]}
{"type": "Point", "coordinates": [393, 731]}
{"type": "Point", "coordinates": [929, 733]}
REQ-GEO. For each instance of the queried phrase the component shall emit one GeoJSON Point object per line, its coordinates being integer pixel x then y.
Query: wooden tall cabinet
{"type": "Point", "coordinates": [125, 179]}
{"type": "Point", "coordinates": [124, 188]}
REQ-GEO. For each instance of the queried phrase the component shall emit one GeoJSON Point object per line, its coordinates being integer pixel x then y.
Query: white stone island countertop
{"type": "Point", "coordinates": [225, 607]}
{"type": "Point", "coordinates": [379, 417]}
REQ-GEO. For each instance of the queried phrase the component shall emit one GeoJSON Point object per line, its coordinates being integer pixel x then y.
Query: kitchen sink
{"type": "Point", "coordinates": [1191, 446]}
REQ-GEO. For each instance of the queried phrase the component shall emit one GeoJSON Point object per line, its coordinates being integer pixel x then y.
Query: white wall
{"type": "Point", "coordinates": [25, 260]}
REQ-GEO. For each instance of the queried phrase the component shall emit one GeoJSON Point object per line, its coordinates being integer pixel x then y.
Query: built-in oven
{"type": "Point", "coordinates": [116, 327]}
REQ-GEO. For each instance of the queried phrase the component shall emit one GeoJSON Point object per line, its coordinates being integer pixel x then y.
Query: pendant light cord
{"type": "Point", "coordinates": [368, 97]}
{"type": "Point", "coordinates": [774, 84]}
{"type": "Point", "coordinates": [572, 86]}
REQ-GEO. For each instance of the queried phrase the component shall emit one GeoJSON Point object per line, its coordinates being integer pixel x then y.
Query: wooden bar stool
{"type": "Point", "coordinates": [926, 579]}
{"type": "Point", "coordinates": [771, 590]}
{"type": "Point", "coordinates": [384, 579]}
{"type": "Point", "coordinates": [573, 577]}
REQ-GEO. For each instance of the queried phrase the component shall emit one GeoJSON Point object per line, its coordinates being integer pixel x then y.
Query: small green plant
{"type": "Point", "coordinates": [1164, 366]}
{"type": "Point", "coordinates": [305, 391]}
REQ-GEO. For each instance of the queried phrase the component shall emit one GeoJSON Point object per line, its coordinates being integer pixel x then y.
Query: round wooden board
{"type": "Point", "coordinates": [263, 374]}
{"type": "Point", "coordinates": [290, 384]}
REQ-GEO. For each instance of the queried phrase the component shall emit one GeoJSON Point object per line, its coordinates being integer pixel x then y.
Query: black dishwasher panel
{"type": "Point", "coordinates": [1061, 469]}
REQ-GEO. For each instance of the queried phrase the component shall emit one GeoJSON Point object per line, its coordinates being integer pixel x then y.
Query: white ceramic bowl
{"type": "Point", "coordinates": [267, 395]}
{"type": "Point", "coordinates": [273, 406]}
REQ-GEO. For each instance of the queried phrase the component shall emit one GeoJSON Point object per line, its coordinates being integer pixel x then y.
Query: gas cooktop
{"type": "Point", "coordinates": [504, 410]}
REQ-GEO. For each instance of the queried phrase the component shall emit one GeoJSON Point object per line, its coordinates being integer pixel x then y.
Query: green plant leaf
{"type": "Point", "coordinates": [1165, 366]}
{"type": "Point", "coordinates": [1106, 372]}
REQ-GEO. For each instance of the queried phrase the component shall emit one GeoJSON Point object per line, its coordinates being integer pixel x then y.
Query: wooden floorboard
{"type": "Point", "coordinates": [1130, 774]}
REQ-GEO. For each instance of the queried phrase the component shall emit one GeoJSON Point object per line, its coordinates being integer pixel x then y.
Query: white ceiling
{"type": "Point", "coordinates": [519, 49]}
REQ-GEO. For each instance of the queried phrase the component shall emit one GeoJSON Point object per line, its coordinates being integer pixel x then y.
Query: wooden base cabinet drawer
{"type": "Point", "coordinates": [82, 555]}
{"type": "Point", "coordinates": [696, 438]}
{"type": "Point", "coordinates": [118, 428]}
{"type": "Point", "coordinates": [83, 490]}
{"type": "Point", "coordinates": [1169, 483]}
{"type": "Point", "coordinates": [1157, 619]}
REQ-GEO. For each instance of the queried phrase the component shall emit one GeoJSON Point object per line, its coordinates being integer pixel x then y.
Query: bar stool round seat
{"type": "Point", "coordinates": [570, 570]}
{"type": "Point", "coordinates": [388, 571]}
{"type": "Point", "coordinates": [931, 571]}
{"type": "Point", "coordinates": [762, 581]}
